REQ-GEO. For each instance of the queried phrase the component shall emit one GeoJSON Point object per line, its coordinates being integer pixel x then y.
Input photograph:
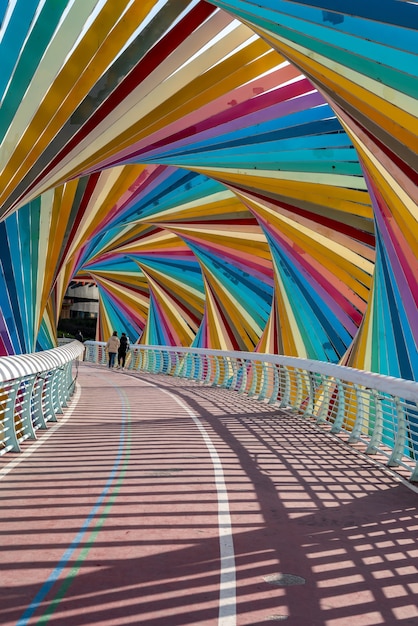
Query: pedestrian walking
{"type": "Point", "coordinates": [122, 351]}
{"type": "Point", "coordinates": [112, 346]}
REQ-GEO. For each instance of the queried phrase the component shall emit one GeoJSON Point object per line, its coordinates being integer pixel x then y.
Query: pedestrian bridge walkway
{"type": "Point", "coordinates": [160, 501]}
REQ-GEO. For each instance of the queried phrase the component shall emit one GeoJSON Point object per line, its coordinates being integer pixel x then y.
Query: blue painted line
{"type": "Point", "coordinates": [53, 577]}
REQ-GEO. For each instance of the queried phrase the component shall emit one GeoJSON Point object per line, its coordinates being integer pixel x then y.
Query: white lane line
{"type": "Point", "coordinates": [51, 430]}
{"type": "Point", "coordinates": [227, 592]}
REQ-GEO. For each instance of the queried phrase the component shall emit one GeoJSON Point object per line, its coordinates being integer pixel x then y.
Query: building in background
{"type": "Point", "coordinates": [80, 301]}
{"type": "Point", "coordinates": [79, 310]}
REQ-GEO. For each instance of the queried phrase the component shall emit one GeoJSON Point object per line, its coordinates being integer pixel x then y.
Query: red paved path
{"type": "Point", "coordinates": [113, 518]}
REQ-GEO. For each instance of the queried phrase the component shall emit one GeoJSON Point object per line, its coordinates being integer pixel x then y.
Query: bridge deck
{"type": "Point", "coordinates": [156, 501]}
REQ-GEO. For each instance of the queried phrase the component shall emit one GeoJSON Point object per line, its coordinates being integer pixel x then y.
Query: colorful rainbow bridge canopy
{"type": "Point", "coordinates": [235, 175]}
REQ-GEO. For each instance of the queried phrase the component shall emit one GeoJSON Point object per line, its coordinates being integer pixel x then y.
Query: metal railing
{"type": "Point", "coordinates": [379, 411]}
{"type": "Point", "coordinates": [34, 389]}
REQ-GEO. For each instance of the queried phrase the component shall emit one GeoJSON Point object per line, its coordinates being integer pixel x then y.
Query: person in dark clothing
{"type": "Point", "coordinates": [79, 336]}
{"type": "Point", "coordinates": [122, 351]}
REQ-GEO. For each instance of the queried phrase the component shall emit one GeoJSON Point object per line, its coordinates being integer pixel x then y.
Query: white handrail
{"type": "Point", "coordinates": [380, 411]}
{"type": "Point", "coordinates": [34, 389]}
{"type": "Point", "coordinates": [16, 366]}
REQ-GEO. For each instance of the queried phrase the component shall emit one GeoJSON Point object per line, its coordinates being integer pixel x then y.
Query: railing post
{"type": "Point", "coordinates": [141, 358]}
{"type": "Point", "coordinates": [178, 365]}
{"type": "Point", "coordinates": [284, 402]}
{"type": "Point", "coordinates": [61, 391]}
{"type": "Point", "coordinates": [234, 379]}
{"type": "Point", "coordinates": [243, 374]}
{"type": "Point", "coordinates": [26, 415]}
{"type": "Point", "coordinates": [163, 366]}
{"type": "Point", "coordinates": [376, 436]}
{"type": "Point", "coordinates": [49, 408]}
{"type": "Point", "coordinates": [254, 381]}
{"type": "Point", "coordinates": [201, 367]}
{"type": "Point", "coordinates": [217, 373]}
{"type": "Point", "coordinates": [197, 367]}
{"type": "Point", "coordinates": [9, 418]}
{"type": "Point", "coordinates": [339, 419]}
{"type": "Point", "coordinates": [299, 387]}
{"type": "Point", "coordinates": [360, 412]}
{"type": "Point", "coordinates": [208, 376]}
{"type": "Point", "coordinates": [322, 415]}
{"type": "Point", "coordinates": [192, 368]}
{"type": "Point", "coordinates": [264, 381]}
{"type": "Point", "coordinates": [38, 414]}
{"type": "Point", "coordinates": [70, 384]}
{"type": "Point", "coordinates": [275, 390]}
{"type": "Point", "coordinates": [225, 364]}
{"type": "Point", "coordinates": [400, 438]}
{"type": "Point", "coordinates": [167, 362]}
{"type": "Point", "coordinates": [299, 384]}
{"type": "Point", "coordinates": [311, 393]}
{"type": "Point", "coordinates": [160, 362]}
